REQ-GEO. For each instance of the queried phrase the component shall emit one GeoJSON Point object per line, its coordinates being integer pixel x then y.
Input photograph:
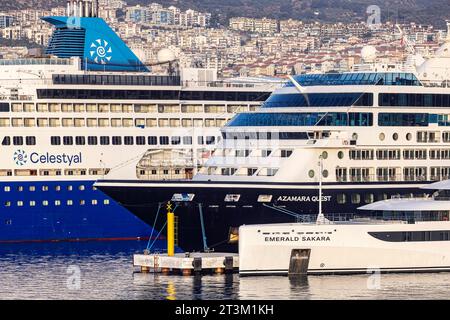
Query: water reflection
{"type": "Point", "coordinates": [105, 271]}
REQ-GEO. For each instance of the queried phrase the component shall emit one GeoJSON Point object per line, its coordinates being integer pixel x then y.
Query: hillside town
{"type": "Point", "coordinates": [246, 47]}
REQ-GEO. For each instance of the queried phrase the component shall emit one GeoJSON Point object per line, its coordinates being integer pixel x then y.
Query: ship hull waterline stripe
{"type": "Point", "coordinates": [247, 186]}
{"type": "Point", "coordinates": [348, 270]}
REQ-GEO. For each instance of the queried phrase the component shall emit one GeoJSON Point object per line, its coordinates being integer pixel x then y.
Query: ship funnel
{"type": "Point", "coordinates": [82, 8]}
{"type": "Point", "coordinates": [83, 34]}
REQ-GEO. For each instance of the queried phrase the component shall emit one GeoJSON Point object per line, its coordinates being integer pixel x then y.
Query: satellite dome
{"type": "Point", "coordinates": [369, 53]}
{"type": "Point", "coordinates": [166, 55]}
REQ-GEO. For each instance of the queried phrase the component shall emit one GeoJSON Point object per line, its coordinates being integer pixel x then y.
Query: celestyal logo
{"type": "Point", "coordinates": [101, 51]}
{"type": "Point", "coordinates": [56, 158]}
{"type": "Point", "coordinates": [20, 157]}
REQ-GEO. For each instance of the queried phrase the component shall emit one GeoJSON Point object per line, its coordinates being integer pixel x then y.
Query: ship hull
{"type": "Point", "coordinates": [148, 202]}
{"type": "Point", "coordinates": [49, 211]}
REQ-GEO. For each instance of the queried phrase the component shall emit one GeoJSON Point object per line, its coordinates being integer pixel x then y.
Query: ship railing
{"type": "Point", "coordinates": [226, 84]}
{"type": "Point", "coordinates": [380, 178]}
{"type": "Point", "coordinates": [376, 218]}
{"type": "Point", "coordinates": [35, 61]}
{"type": "Point", "coordinates": [436, 83]}
{"type": "Point", "coordinates": [441, 198]}
{"type": "Point", "coordinates": [17, 98]}
{"type": "Point", "coordinates": [412, 197]}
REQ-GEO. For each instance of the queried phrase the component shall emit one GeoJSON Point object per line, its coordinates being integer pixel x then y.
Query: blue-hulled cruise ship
{"type": "Point", "coordinates": [87, 107]}
{"type": "Point", "coordinates": [367, 135]}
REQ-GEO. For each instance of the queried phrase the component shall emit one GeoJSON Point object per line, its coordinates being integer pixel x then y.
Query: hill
{"type": "Point", "coordinates": [420, 11]}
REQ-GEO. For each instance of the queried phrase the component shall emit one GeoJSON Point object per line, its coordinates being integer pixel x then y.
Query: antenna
{"type": "Point", "coordinates": [320, 216]}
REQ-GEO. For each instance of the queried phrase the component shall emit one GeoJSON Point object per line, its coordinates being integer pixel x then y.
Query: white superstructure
{"type": "Point", "coordinates": [402, 235]}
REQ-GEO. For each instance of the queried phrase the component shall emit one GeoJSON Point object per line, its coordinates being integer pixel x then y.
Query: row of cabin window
{"type": "Point", "coordinates": [124, 108]}
{"type": "Point", "coordinates": [19, 141]}
{"type": "Point", "coordinates": [53, 172]}
{"type": "Point", "coordinates": [113, 122]}
{"type": "Point", "coordinates": [396, 154]}
{"type": "Point", "coordinates": [356, 198]}
{"type": "Point", "coordinates": [45, 203]}
{"type": "Point", "coordinates": [45, 188]}
{"type": "Point", "coordinates": [130, 140]}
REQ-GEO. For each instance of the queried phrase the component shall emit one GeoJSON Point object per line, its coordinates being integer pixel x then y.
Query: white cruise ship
{"type": "Point", "coordinates": [379, 134]}
{"type": "Point", "coordinates": [87, 107]}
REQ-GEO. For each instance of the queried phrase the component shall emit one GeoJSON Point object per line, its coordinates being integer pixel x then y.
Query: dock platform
{"type": "Point", "coordinates": [188, 263]}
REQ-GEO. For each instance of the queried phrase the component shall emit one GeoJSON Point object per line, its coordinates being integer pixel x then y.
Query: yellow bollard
{"type": "Point", "coordinates": [170, 231]}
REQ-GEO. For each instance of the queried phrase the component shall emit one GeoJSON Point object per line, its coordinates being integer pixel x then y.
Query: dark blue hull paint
{"type": "Point", "coordinates": [219, 216]}
{"type": "Point", "coordinates": [69, 214]}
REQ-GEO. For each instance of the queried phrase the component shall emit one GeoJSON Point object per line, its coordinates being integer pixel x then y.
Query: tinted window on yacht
{"type": "Point", "coordinates": [414, 236]}
{"type": "Point", "coordinates": [414, 100]}
{"type": "Point", "coordinates": [210, 140]}
{"type": "Point", "coordinates": [302, 119]}
{"type": "Point", "coordinates": [357, 78]}
{"type": "Point", "coordinates": [200, 140]}
{"type": "Point", "coordinates": [319, 100]}
{"type": "Point", "coordinates": [403, 119]}
{"type": "Point", "coordinates": [4, 107]}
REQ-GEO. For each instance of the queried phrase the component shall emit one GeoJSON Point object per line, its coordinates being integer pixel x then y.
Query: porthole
{"type": "Point", "coordinates": [382, 136]}
{"type": "Point", "coordinates": [382, 196]}
{"type": "Point", "coordinates": [354, 136]}
{"type": "Point", "coordinates": [341, 198]}
{"type": "Point", "coordinates": [408, 136]}
{"type": "Point", "coordinates": [369, 198]}
{"type": "Point", "coordinates": [341, 155]}
{"type": "Point", "coordinates": [395, 136]}
{"type": "Point", "coordinates": [311, 173]}
{"type": "Point", "coordinates": [324, 155]}
{"type": "Point", "coordinates": [325, 173]}
{"type": "Point", "coordinates": [356, 198]}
